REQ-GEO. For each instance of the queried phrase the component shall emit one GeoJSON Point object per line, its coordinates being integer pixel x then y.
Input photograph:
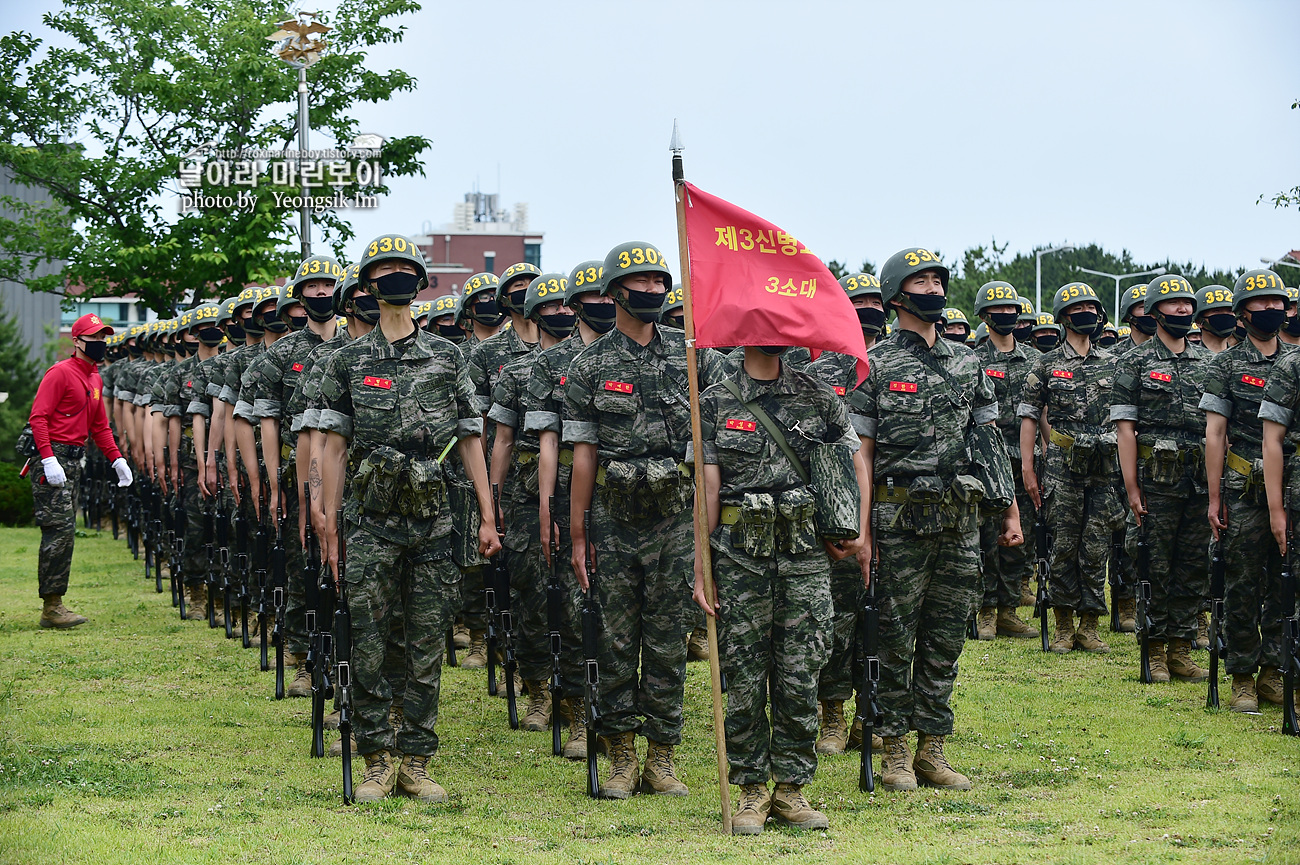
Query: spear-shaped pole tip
{"type": "Point", "coordinates": [676, 144]}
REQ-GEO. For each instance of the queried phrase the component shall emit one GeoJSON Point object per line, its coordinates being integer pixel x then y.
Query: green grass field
{"type": "Point", "coordinates": [139, 738]}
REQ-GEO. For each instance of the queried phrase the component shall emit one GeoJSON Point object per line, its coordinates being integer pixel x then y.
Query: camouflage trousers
{"type": "Point", "coordinates": [1178, 537]}
{"type": "Point", "coordinates": [463, 504]}
{"type": "Point", "coordinates": [420, 581]}
{"type": "Point", "coordinates": [836, 679]}
{"type": "Point", "coordinates": [1006, 567]}
{"type": "Point", "coordinates": [1081, 519]}
{"type": "Point", "coordinates": [194, 567]}
{"type": "Point", "coordinates": [1252, 597]}
{"type": "Point", "coordinates": [927, 588]}
{"type": "Point", "coordinates": [473, 604]}
{"type": "Point", "coordinates": [644, 583]}
{"type": "Point", "coordinates": [523, 552]}
{"type": "Point", "coordinates": [774, 636]}
{"type": "Point", "coordinates": [295, 598]}
{"type": "Point", "coordinates": [55, 511]}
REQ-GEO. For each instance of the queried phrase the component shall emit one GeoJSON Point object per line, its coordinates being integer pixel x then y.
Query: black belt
{"type": "Point", "coordinates": [76, 452]}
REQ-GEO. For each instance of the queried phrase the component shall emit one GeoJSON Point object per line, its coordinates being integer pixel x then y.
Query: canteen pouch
{"type": "Point", "coordinates": [796, 531]}
{"type": "Point", "coordinates": [1082, 458]}
{"type": "Point", "coordinates": [991, 466]}
{"type": "Point", "coordinates": [924, 497]}
{"type": "Point", "coordinates": [1255, 493]}
{"type": "Point", "coordinates": [669, 490]}
{"type": "Point", "coordinates": [623, 480]}
{"type": "Point", "coordinates": [835, 491]}
{"type": "Point", "coordinates": [755, 528]}
{"type": "Point", "coordinates": [378, 480]}
{"type": "Point", "coordinates": [421, 496]}
{"type": "Point", "coordinates": [1165, 465]}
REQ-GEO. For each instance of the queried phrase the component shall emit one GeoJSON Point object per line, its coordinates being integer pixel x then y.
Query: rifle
{"type": "Point", "coordinates": [870, 715]}
{"type": "Point", "coordinates": [501, 577]}
{"type": "Point", "coordinates": [133, 517]}
{"type": "Point", "coordinates": [1143, 594]}
{"type": "Point", "coordinates": [242, 568]}
{"type": "Point", "coordinates": [279, 587]}
{"type": "Point", "coordinates": [222, 518]}
{"type": "Point", "coordinates": [554, 614]}
{"type": "Point", "coordinates": [144, 530]}
{"type": "Point", "coordinates": [115, 499]}
{"type": "Point", "coordinates": [343, 630]}
{"type": "Point", "coordinates": [318, 589]}
{"type": "Point", "coordinates": [179, 522]}
{"type": "Point", "coordinates": [1290, 643]}
{"type": "Point", "coordinates": [1116, 568]}
{"type": "Point", "coordinates": [490, 603]}
{"type": "Point", "coordinates": [451, 646]}
{"type": "Point", "coordinates": [1218, 645]}
{"type": "Point", "coordinates": [1043, 573]}
{"type": "Point", "coordinates": [590, 649]}
{"type": "Point", "coordinates": [210, 553]}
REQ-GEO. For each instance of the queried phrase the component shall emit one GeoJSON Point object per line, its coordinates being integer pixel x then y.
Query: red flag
{"type": "Point", "coordinates": [753, 284]}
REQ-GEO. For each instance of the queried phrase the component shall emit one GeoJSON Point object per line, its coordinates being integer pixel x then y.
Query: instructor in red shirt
{"type": "Point", "coordinates": [69, 405]}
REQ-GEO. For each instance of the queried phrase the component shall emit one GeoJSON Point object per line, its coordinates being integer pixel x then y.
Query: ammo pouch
{"type": "Point", "coordinates": [924, 496]}
{"type": "Point", "coordinates": [796, 531]}
{"type": "Point", "coordinates": [1081, 458]}
{"type": "Point", "coordinates": [755, 527]}
{"type": "Point", "coordinates": [622, 482]}
{"type": "Point", "coordinates": [1165, 464]}
{"type": "Point", "coordinates": [421, 495]}
{"type": "Point", "coordinates": [835, 491]}
{"type": "Point", "coordinates": [669, 489]}
{"type": "Point", "coordinates": [1255, 492]}
{"type": "Point", "coordinates": [378, 480]}
{"type": "Point", "coordinates": [528, 467]}
{"type": "Point", "coordinates": [26, 444]}
{"type": "Point", "coordinates": [991, 466]}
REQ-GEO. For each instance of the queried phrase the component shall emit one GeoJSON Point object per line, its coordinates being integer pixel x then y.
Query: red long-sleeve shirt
{"type": "Point", "coordinates": [69, 405]}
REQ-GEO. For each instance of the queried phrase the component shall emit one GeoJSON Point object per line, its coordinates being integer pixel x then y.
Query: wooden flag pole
{"type": "Point", "coordinates": [701, 499]}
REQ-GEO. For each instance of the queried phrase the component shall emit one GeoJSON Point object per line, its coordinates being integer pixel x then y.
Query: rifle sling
{"type": "Point", "coordinates": [770, 425]}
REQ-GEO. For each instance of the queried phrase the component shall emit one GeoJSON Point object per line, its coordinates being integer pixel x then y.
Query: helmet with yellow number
{"type": "Point", "coordinates": [860, 284]}
{"type": "Point", "coordinates": [1260, 282]}
{"type": "Point", "coordinates": [905, 263]}
{"type": "Point", "coordinates": [514, 286]}
{"type": "Point", "coordinates": [1170, 287]}
{"type": "Point", "coordinates": [399, 287]}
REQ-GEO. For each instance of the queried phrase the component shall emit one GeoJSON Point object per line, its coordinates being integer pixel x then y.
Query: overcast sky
{"type": "Point", "coordinates": [858, 127]}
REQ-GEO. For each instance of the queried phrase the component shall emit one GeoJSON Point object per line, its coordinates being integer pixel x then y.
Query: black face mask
{"type": "Point", "coordinates": [673, 319]}
{"type": "Point", "coordinates": [773, 350]}
{"type": "Point", "coordinates": [134, 350]}
{"type": "Point", "coordinates": [557, 324]}
{"type": "Point", "coordinates": [1106, 340]}
{"type": "Point", "coordinates": [597, 316]}
{"type": "Point", "coordinates": [319, 308]}
{"type": "Point", "coordinates": [871, 319]}
{"type": "Point", "coordinates": [1176, 326]}
{"type": "Point", "coordinates": [297, 322]}
{"type": "Point", "coordinates": [366, 308]}
{"type": "Point", "coordinates": [1082, 322]}
{"type": "Point", "coordinates": [1144, 324]}
{"type": "Point", "coordinates": [399, 288]}
{"type": "Point", "coordinates": [1240, 331]}
{"type": "Point", "coordinates": [1292, 326]}
{"type": "Point", "coordinates": [253, 327]}
{"type": "Point", "coordinates": [235, 332]}
{"type": "Point", "coordinates": [516, 302]}
{"type": "Point", "coordinates": [271, 323]}
{"type": "Point", "coordinates": [1265, 323]}
{"type": "Point", "coordinates": [1002, 322]}
{"type": "Point", "coordinates": [1046, 341]}
{"type": "Point", "coordinates": [188, 348]}
{"type": "Point", "coordinates": [210, 336]}
{"type": "Point", "coordinates": [1221, 324]}
{"type": "Point", "coordinates": [927, 307]}
{"type": "Point", "coordinates": [955, 337]}
{"type": "Point", "coordinates": [643, 305]}
{"type": "Point", "coordinates": [1023, 332]}
{"type": "Point", "coordinates": [451, 332]}
{"type": "Point", "coordinates": [486, 312]}
{"type": "Point", "coordinates": [95, 350]}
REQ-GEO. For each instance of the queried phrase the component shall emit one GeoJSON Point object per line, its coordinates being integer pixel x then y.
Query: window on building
{"type": "Point", "coordinates": [489, 262]}
{"type": "Point", "coordinates": [533, 253]}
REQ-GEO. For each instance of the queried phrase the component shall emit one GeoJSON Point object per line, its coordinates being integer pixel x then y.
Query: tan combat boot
{"type": "Point", "coordinates": [196, 602]}
{"type": "Point", "coordinates": [379, 778]}
{"type": "Point", "coordinates": [1202, 630]}
{"type": "Point", "coordinates": [414, 779]}
{"type": "Point", "coordinates": [1159, 664]}
{"type": "Point", "coordinates": [789, 806]}
{"type": "Point", "coordinates": [1087, 638]}
{"type": "Point", "coordinates": [932, 767]}
{"type": "Point", "coordinates": [755, 803]}
{"type": "Point", "coordinates": [1027, 596]}
{"type": "Point", "coordinates": [660, 775]}
{"type": "Point", "coordinates": [623, 766]}
{"type": "Point", "coordinates": [1063, 639]}
{"type": "Point", "coordinates": [460, 638]}
{"type": "Point", "coordinates": [896, 765]}
{"type": "Point", "coordinates": [1244, 698]}
{"type": "Point", "coordinates": [55, 615]}
{"type": "Point", "coordinates": [476, 659]}
{"type": "Point", "coordinates": [1011, 625]}
{"type": "Point", "coordinates": [835, 734]}
{"type": "Point", "coordinates": [301, 684]}
{"type": "Point", "coordinates": [537, 717]}
{"type": "Point", "coordinates": [575, 709]}
{"type": "Point", "coordinates": [1181, 665]}
{"type": "Point", "coordinates": [1128, 614]}
{"type": "Point", "coordinates": [501, 685]}
{"type": "Point", "coordinates": [1269, 686]}
{"type": "Point", "coordinates": [986, 624]}
{"type": "Point", "coordinates": [336, 749]}
{"type": "Point", "coordinates": [331, 721]}
{"type": "Point", "coordinates": [855, 738]}
{"type": "Point", "coordinates": [697, 648]}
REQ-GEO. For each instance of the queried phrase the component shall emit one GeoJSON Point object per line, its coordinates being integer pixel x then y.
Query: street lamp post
{"type": "Point", "coordinates": [300, 43]}
{"type": "Point", "coordinates": [1274, 262]}
{"type": "Point", "coordinates": [1038, 273]}
{"type": "Point", "coordinates": [1120, 276]}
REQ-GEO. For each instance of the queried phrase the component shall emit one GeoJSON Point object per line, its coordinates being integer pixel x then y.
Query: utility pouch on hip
{"type": "Point", "coordinates": [669, 490]}
{"type": "Point", "coordinates": [1082, 457]}
{"type": "Point", "coordinates": [422, 495]}
{"type": "Point", "coordinates": [835, 491]}
{"type": "Point", "coordinates": [622, 482]}
{"type": "Point", "coordinates": [796, 531]}
{"type": "Point", "coordinates": [755, 528]}
{"type": "Point", "coordinates": [924, 498]}
{"type": "Point", "coordinates": [378, 480]}
{"type": "Point", "coordinates": [1165, 465]}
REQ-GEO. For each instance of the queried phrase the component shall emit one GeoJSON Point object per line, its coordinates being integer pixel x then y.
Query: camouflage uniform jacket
{"type": "Point", "coordinates": [917, 415]}
{"type": "Point", "coordinates": [508, 397]}
{"type": "Point", "coordinates": [127, 377]}
{"type": "Point", "coordinates": [271, 380]}
{"type": "Point", "coordinates": [147, 392]}
{"type": "Point", "coordinates": [304, 406]}
{"type": "Point", "coordinates": [544, 395]}
{"type": "Point", "coordinates": [1006, 371]}
{"type": "Point", "coordinates": [414, 397]}
{"type": "Point", "coordinates": [838, 371]}
{"type": "Point", "coordinates": [173, 385]}
{"type": "Point", "coordinates": [239, 360]}
{"type": "Point", "coordinates": [488, 358]}
{"type": "Point", "coordinates": [1161, 392]}
{"type": "Point", "coordinates": [1237, 383]}
{"type": "Point", "coordinates": [1075, 389]}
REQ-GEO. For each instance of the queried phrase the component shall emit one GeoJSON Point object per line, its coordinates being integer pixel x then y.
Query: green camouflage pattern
{"type": "Point", "coordinates": [55, 512]}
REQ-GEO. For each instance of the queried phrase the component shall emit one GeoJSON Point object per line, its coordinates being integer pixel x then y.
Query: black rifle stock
{"type": "Point", "coordinates": [1218, 644]}
{"type": "Point", "coordinates": [343, 678]}
{"type": "Point", "coordinates": [554, 615]}
{"type": "Point", "coordinates": [1043, 574]}
{"type": "Point", "coordinates": [1290, 642]}
{"type": "Point", "coordinates": [590, 652]}
{"type": "Point", "coordinates": [501, 578]}
{"type": "Point", "coordinates": [178, 522]}
{"type": "Point", "coordinates": [278, 583]}
{"type": "Point", "coordinates": [869, 712]}
{"type": "Point", "coordinates": [1143, 595]}
{"type": "Point", "coordinates": [210, 578]}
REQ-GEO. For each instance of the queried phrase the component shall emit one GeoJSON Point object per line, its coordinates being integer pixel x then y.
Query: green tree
{"type": "Point", "coordinates": [841, 270]}
{"type": "Point", "coordinates": [19, 377]}
{"type": "Point", "coordinates": [146, 82]}
{"type": "Point", "coordinates": [1289, 197]}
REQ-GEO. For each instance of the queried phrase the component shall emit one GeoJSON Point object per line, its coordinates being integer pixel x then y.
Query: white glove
{"type": "Point", "coordinates": [124, 476]}
{"type": "Point", "coordinates": [54, 475]}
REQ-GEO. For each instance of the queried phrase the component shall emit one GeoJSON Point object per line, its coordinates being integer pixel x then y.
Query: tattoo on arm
{"type": "Point", "coordinates": [313, 476]}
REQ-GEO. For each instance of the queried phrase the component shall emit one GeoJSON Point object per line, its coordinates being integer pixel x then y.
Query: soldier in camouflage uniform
{"type": "Point", "coordinates": [1005, 363]}
{"type": "Point", "coordinates": [1024, 332]}
{"type": "Point", "coordinates": [1047, 333]}
{"type": "Point", "coordinates": [444, 318]}
{"type": "Point", "coordinates": [954, 326]}
{"type": "Point", "coordinates": [1133, 313]}
{"type": "Point", "coordinates": [1067, 394]}
{"type": "Point", "coordinates": [514, 470]}
{"type": "Point", "coordinates": [1290, 332]}
{"type": "Point", "coordinates": [1154, 401]}
{"type": "Point", "coordinates": [394, 404]}
{"type": "Point", "coordinates": [627, 395]}
{"type": "Point", "coordinates": [1214, 316]}
{"type": "Point", "coordinates": [1251, 394]}
{"type": "Point", "coordinates": [835, 685]}
{"type": "Point", "coordinates": [773, 575]}
{"type": "Point", "coordinates": [922, 399]}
